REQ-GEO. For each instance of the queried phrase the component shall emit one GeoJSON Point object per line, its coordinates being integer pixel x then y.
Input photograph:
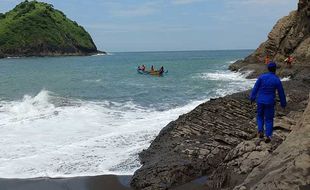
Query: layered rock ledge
{"type": "Point", "coordinates": [216, 139]}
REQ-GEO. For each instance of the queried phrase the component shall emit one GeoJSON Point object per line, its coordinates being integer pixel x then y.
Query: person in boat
{"type": "Point", "coordinates": [152, 68]}
{"type": "Point", "coordinates": [161, 70]}
{"type": "Point", "coordinates": [264, 93]}
{"type": "Point", "coordinates": [143, 68]}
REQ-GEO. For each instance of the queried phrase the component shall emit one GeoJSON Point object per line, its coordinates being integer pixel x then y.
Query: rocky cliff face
{"type": "Point", "coordinates": [288, 167]}
{"type": "Point", "coordinates": [290, 36]}
{"type": "Point", "coordinates": [37, 29]}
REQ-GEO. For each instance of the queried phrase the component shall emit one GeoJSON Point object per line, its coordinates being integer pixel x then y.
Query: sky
{"type": "Point", "coordinates": [173, 25]}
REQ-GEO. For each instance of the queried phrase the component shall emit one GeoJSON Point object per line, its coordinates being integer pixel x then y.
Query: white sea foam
{"type": "Point", "coordinates": [99, 54]}
{"type": "Point", "coordinates": [228, 82]}
{"type": "Point", "coordinates": [224, 76]}
{"type": "Point", "coordinates": [46, 135]}
{"type": "Point", "coordinates": [92, 80]}
{"type": "Point", "coordinates": [12, 57]}
{"type": "Point", "coordinates": [232, 61]}
{"type": "Point", "coordinates": [285, 79]}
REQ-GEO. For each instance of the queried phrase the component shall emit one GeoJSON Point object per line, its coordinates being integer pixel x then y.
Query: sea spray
{"type": "Point", "coordinates": [87, 139]}
{"type": "Point", "coordinates": [97, 113]}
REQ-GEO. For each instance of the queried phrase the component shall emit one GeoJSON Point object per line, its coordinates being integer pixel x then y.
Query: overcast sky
{"type": "Point", "coordinates": [159, 25]}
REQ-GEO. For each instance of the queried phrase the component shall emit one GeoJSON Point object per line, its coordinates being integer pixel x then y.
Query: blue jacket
{"type": "Point", "coordinates": [264, 90]}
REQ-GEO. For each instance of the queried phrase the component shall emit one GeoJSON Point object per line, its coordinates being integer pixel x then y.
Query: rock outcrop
{"type": "Point", "coordinates": [196, 143]}
{"type": "Point", "coordinates": [288, 167]}
{"type": "Point", "coordinates": [37, 29]}
{"type": "Point", "coordinates": [290, 36]}
{"type": "Point", "coordinates": [215, 135]}
{"type": "Point", "coordinates": [282, 164]}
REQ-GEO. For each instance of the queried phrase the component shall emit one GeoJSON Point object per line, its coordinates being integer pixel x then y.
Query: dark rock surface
{"type": "Point", "coordinates": [250, 158]}
{"type": "Point", "coordinates": [207, 139]}
{"type": "Point", "coordinates": [288, 166]}
{"type": "Point", "coordinates": [196, 143]}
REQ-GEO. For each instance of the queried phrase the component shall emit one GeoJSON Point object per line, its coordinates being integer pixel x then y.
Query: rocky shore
{"type": "Point", "coordinates": [218, 138]}
{"type": "Point", "coordinates": [289, 37]}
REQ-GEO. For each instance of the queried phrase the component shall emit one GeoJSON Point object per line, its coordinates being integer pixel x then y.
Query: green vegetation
{"type": "Point", "coordinates": [36, 28]}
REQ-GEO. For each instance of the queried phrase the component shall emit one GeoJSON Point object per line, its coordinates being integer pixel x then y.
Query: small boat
{"type": "Point", "coordinates": [153, 73]}
{"type": "Point", "coordinates": [143, 72]}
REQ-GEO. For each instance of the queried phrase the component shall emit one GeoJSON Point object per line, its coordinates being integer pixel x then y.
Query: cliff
{"type": "Point", "coordinates": [290, 36]}
{"type": "Point", "coordinates": [37, 29]}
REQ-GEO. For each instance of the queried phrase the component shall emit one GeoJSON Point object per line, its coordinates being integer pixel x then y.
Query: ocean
{"type": "Point", "coordinates": [75, 116]}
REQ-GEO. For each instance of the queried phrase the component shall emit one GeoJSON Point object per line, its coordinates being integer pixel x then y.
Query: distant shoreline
{"type": "Point", "coordinates": [159, 51]}
{"type": "Point", "coordinates": [54, 55]}
{"type": "Point", "coordinates": [112, 52]}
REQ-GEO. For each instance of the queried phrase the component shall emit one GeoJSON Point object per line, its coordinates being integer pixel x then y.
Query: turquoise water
{"type": "Point", "coordinates": [67, 116]}
{"type": "Point", "coordinates": [114, 77]}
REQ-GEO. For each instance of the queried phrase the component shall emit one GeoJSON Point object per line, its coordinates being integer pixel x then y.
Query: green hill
{"type": "Point", "coordinates": [37, 29]}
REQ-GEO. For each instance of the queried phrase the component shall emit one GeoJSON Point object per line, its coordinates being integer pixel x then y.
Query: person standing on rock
{"type": "Point", "coordinates": [264, 93]}
{"type": "Point", "coordinates": [267, 59]}
{"type": "Point", "coordinates": [289, 61]}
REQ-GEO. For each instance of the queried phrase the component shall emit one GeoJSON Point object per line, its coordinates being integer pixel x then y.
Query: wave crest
{"type": "Point", "coordinates": [36, 107]}
{"type": "Point", "coordinates": [224, 76]}
{"type": "Point", "coordinates": [83, 138]}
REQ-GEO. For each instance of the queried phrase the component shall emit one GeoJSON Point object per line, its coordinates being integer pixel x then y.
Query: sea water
{"type": "Point", "coordinates": [73, 116]}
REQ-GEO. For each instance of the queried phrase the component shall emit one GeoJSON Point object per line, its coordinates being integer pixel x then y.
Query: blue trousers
{"type": "Point", "coordinates": [265, 115]}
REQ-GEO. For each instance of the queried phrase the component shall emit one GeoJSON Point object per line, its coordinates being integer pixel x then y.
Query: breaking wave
{"type": "Point", "coordinates": [46, 135]}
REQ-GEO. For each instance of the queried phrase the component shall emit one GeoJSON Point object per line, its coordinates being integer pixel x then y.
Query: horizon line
{"type": "Point", "coordinates": [150, 51]}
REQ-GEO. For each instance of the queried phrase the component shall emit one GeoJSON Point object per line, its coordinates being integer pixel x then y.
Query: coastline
{"type": "Point", "coordinates": [186, 149]}
{"type": "Point", "coordinates": [215, 145]}
{"type": "Point", "coordinates": [54, 54]}
{"type": "Point", "coordinates": [198, 143]}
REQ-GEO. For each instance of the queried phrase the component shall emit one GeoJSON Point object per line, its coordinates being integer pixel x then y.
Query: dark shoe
{"type": "Point", "coordinates": [260, 135]}
{"type": "Point", "coordinates": [268, 140]}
